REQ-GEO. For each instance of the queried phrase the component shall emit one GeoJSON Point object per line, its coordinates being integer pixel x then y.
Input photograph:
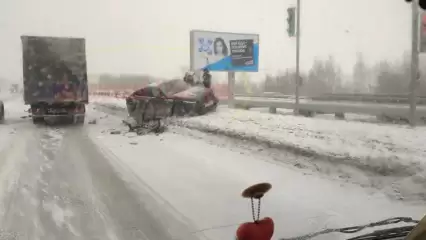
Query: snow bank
{"type": "Point", "coordinates": [202, 183]}
{"type": "Point", "coordinates": [390, 150]}
{"type": "Point", "coordinates": [387, 149]}
{"type": "Point", "coordinates": [119, 102]}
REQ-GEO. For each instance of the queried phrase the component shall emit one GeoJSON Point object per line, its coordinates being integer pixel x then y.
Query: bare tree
{"type": "Point", "coordinates": [324, 77]}
{"type": "Point", "coordinates": [282, 83]}
{"type": "Point", "coordinates": [393, 78]}
{"type": "Point", "coordinates": [360, 75]}
{"type": "Point", "coordinates": [270, 84]}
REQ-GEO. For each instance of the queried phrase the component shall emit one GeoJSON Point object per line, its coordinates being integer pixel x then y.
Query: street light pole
{"type": "Point", "coordinates": [414, 61]}
{"type": "Point", "coordinates": [296, 109]}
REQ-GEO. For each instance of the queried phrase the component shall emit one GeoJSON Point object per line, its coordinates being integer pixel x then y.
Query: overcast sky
{"type": "Point", "coordinates": [152, 36]}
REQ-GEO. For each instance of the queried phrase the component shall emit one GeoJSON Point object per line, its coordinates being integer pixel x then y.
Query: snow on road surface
{"type": "Point", "coordinates": [201, 179]}
{"type": "Point", "coordinates": [56, 184]}
{"type": "Point", "coordinates": [82, 182]}
{"type": "Point", "coordinates": [14, 110]}
{"type": "Point", "coordinates": [4, 96]}
{"type": "Point", "coordinates": [387, 149]}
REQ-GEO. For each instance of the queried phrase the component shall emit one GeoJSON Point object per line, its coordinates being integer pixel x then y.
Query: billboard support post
{"type": "Point", "coordinates": [231, 85]}
{"type": "Point", "coordinates": [414, 61]}
{"type": "Point", "coordinates": [297, 80]}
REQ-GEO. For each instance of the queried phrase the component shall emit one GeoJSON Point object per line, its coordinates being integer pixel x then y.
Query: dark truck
{"type": "Point", "coordinates": [55, 78]}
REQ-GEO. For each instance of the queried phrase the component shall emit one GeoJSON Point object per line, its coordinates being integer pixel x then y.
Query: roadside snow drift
{"type": "Point", "coordinates": [387, 149]}
{"type": "Point", "coordinates": [200, 182]}
{"type": "Point", "coordinates": [383, 148]}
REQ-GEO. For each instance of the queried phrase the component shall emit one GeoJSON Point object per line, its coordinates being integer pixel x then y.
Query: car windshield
{"type": "Point", "coordinates": [143, 119]}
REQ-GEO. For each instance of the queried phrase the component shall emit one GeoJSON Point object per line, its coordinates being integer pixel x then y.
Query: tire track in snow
{"type": "Point", "coordinates": [59, 186]}
{"type": "Point", "coordinates": [48, 199]}
{"type": "Point", "coordinates": [137, 209]}
{"type": "Point", "coordinates": [12, 159]}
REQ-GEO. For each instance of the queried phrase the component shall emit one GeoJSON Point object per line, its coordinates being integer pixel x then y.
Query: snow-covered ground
{"type": "Point", "coordinates": [65, 183]}
{"type": "Point", "coordinates": [119, 102]}
{"type": "Point", "coordinates": [14, 110]}
{"type": "Point", "coordinates": [10, 144]}
{"type": "Point", "coordinates": [387, 149]}
{"type": "Point", "coordinates": [348, 116]}
{"type": "Point", "coordinates": [56, 184]}
{"type": "Point", "coordinates": [201, 183]}
{"type": "Point", "coordinates": [5, 96]}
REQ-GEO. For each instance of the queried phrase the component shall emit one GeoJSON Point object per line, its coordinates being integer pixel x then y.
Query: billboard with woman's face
{"type": "Point", "coordinates": [219, 51]}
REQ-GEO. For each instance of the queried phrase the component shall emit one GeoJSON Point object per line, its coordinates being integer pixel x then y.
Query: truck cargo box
{"type": "Point", "coordinates": [54, 70]}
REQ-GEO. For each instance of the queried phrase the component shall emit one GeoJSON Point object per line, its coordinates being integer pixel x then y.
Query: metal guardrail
{"type": "Point", "coordinates": [375, 109]}
{"type": "Point", "coordinates": [274, 101]}
{"type": "Point", "coordinates": [275, 95]}
{"type": "Point", "coordinates": [370, 94]}
{"type": "Point", "coordinates": [371, 98]}
{"type": "Point", "coordinates": [351, 97]}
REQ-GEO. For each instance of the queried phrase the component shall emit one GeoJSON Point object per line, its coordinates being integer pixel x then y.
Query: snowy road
{"type": "Point", "coordinates": [72, 182]}
{"type": "Point", "coordinates": [57, 185]}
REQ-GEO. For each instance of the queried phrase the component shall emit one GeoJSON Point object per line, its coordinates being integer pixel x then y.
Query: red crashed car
{"type": "Point", "coordinates": [170, 98]}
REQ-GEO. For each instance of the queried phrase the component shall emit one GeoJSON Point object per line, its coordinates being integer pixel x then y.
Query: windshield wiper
{"type": "Point", "coordinates": [375, 235]}
{"type": "Point", "coordinates": [391, 233]}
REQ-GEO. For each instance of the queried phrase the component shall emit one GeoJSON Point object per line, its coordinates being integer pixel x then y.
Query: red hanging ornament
{"type": "Point", "coordinates": [258, 229]}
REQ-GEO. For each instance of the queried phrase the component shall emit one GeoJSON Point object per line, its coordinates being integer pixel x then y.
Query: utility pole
{"type": "Point", "coordinates": [296, 110]}
{"type": "Point", "coordinates": [414, 61]}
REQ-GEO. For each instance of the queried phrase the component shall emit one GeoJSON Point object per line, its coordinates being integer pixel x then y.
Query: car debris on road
{"type": "Point", "coordinates": [156, 127]}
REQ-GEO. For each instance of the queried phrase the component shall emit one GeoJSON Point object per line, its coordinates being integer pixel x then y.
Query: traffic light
{"type": "Point", "coordinates": [422, 3]}
{"type": "Point", "coordinates": [291, 21]}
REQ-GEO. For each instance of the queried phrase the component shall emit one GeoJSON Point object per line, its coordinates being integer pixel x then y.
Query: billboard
{"type": "Point", "coordinates": [227, 52]}
{"type": "Point", "coordinates": [54, 69]}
